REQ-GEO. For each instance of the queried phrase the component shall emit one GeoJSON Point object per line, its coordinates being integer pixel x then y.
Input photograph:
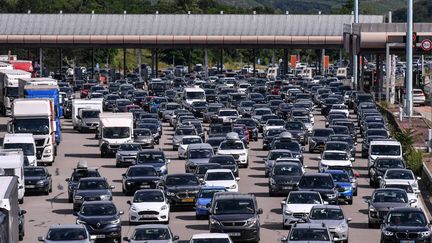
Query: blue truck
{"type": "Point", "coordinates": [35, 89]}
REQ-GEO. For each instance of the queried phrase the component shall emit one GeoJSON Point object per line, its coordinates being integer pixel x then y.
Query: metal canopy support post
{"type": "Point", "coordinates": [139, 64]}
{"type": "Point", "coordinates": [221, 60]}
{"type": "Point", "coordinates": [124, 63]}
{"type": "Point", "coordinates": [60, 62]}
{"type": "Point", "coordinates": [152, 63]}
{"type": "Point", "coordinates": [28, 54]}
{"type": "Point", "coordinates": [355, 58]}
{"type": "Point", "coordinates": [254, 60]}
{"type": "Point", "coordinates": [388, 72]}
{"type": "Point", "coordinates": [93, 63]}
{"type": "Point", "coordinates": [285, 62]}
{"type": "Point", "coordinates": [157, 63]}
{"type": "Point", "coordinates": [323, 62]}
{"type": "Point", "coordinates": [409, 56]}
{"type": "Point", "coordinates": [206, 62]}
{"type": "Point", "coordinates": [41, 62]}
{"type": "Point", "coordinates": [379, 76]}
{"type": "Point", "coordinates": [340, 57]}
{"type": "Point", "coordinates": [189, 60]}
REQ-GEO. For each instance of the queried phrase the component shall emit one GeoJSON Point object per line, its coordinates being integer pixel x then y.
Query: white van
{"type": "Point", "coordinates": [386, 148]}
{"type": "Point", "coordinates": [193, 94]}
{"type": "Point", "coordinates": [77, 105]}
{"type": "Point", "coordinates": [24, 141]}
{"type": "Point", "coordinates": [12, 163]}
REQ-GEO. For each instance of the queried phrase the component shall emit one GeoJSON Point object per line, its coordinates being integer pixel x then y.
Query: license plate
{"type": "Point", "coordinates": [147, 216]}
{"type": "Point", "coordinates": [145, 186]}
{"type": "Point", "coordinates": [406, 241]}
{"type": "Point", "coordinates": [234, 234]}
{"type": "Point", "coordinates": [187, 200]}
{"type": "Point", "coordinates": [286, 187]}
{"type": "Point", "coordinates": [100, 236]}
{"type": "Point", "coordinates": [30, 186]}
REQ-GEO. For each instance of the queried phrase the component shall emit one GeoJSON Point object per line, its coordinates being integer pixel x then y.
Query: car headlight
{"type": "Point", "coordinates": [164, 207]}
{"type": "Point", "coordinates": [425, 233]}
{"type": "Point", "coordinates": [48, 151]}
{"type": "Point", "coordinates": [342, 227]}
{"type": "Point", "coordinates": [201, 206]}
{"type": "Point", "coordinates": [117, 221]}
{"type": "Point", "coordinates": [170, 194]}
{"type": "Point", "coordinates": [133, 208]}
{"type": "Point", "coordinates": [80, 221]}
{"type": "Point", "coordinates": [372, 208]}
{"type": "Point", "coordinates": [233, 186]}
{"type": "Point", "coordinates": [388, 233]}
{"type": "Point", "coordinates": [78, 197]}
{"type": "Point", "coordinates": [346, 188]}
{"type": "Point", "coordinates": [242, 154]}
{"type": "Point", "coordinates": [163, 168]}
{"type": "Point", "coordinates": [297, 156]}
{"type": "Point", "coordinates": [287, 212]}
{"type": "Point", "coordinates": [251, 222]}
{"type": "Point", "coordinates": [214, 222]}
{"type": "Point", "coordinates": [40, 182]}
{"type": "Point", "coordinates": [105, 197]}
{"type": "Point", "coordinates": [331, 196]}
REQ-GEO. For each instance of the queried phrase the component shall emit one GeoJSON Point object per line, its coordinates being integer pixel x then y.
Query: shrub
{"type": "Point", "coordinates": [414, 160]}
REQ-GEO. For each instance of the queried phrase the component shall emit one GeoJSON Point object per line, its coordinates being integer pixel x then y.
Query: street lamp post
{"type": "Point", "coordinates": [409, 56]}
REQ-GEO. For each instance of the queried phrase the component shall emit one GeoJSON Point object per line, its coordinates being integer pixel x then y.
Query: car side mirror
{"type": "Point", "coordinates": [380, 177]}
{"type": "Point", "coordinates": [430, 222]}
{"type": "Point", "coordinates": [78, 117]}
{"type": "Point", "coordinates": [208, 205]}
{"type": "Point", "coordinates": [355, 143]}
{"type": "Point", "coordinates": [23, 212]}
{"type": "Point", "coordinates": [349, 219]}
{"type": "Point", "coordinates": [111, 187]}
{"type": "Point", "coordinates": [121, 212]}
{"type": "Point", "coordinates": [302, 148]}
{"type": "Point", "coordinates": [352, 159]}
{"type": "Point", "coordinates": [418, 178]}
{"type": "Point", "coordinates": [259, 211]}
{"type": "Point", "coordinates": [126, 238]}
{"type": "Point", "coordinates": [356, 174]}
{"type": "Point", "coordinates": [237, 178]}
{"type": "Point", "coordinates": [124, 174]}
{"type": "Point", "coordinates": [129, 202]}
{"type": "Point", "coordinates": [168, 161]}
{"type": "Point", "coordinates": [412, 201]}
{"type": "Point", "coordinates": [319, 157]}
{"type": "Point", "coordinates": [325, 203]}
{"type": "Point", "coordinates": [75, 213]}
{"type": "Point", "coordinates": [41, 238]}
{"type": "Point", "coordinates": [283, 203]}
{"type": "Point", "coordinates": [284, 239]}
{"type": "Point", "coordinates": [176, 237]}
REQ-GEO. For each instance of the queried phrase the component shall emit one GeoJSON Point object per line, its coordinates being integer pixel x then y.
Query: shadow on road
{"type": "Point", "coordinates": [63, 211]}
{"type": "Point", "coordinates": [358, 225]}
{"type": "Point", "coordinates": [261, 184]}
{"type": "Point", "coordinates": [186, 217]}
{"type": "Point", "coordinates": [257, 168]}
{"type": "Point", "coordinates": [276, 210]}
{"type": "Point", "coordinates": [58, 200]}
{"type": "Point", "coordinates": [91, 145]}
{"type": "Point", "coordinates": [88, 155]}
{"type": "Point", "coordinates": [260, 194]}
{"type": "Point", "coordinates": [272, 225]}
{"type": "Point", "coordinates": [198, 227]}
{"type": "Point", "coordinates": [257, 176]}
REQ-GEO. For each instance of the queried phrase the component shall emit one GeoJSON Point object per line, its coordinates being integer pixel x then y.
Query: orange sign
{"type": "Point", "coordinates": [326, 62]}
{"type": "Point", "coordinates": [293, 61]}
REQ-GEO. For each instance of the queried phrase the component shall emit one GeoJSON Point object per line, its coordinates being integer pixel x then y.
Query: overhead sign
{"type": "Point", "coordinates": [426, 45]}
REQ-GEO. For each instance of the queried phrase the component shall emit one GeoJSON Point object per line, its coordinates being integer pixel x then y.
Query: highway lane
{"type": "Point", "coordinates": [44, 211]}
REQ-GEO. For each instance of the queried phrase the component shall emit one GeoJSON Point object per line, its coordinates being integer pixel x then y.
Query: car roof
{"type": "Point", "coordinates": [67, 226]}
{"type": "Point", "coordinates": [384, 142]}
{"type": "Point", "coordinates": [151, 226]}
{"type": "Point", "coordinates": [234, 195]}
{"type": "Point", "coordinates": [210, 236]}
{"type": "Point", "coordinates": [335, 172]}
{"type": "Point", "coordinates": [310, 225]}
{"type": "Point", "coordinates": [326, 206]}
{"type": "Point", "coordinates": [219, 170]}
{"type": "Point", "coordinates": [199, 146]}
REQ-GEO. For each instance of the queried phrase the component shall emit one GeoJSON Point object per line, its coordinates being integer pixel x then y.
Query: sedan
{"type": "Point", "coordinates": [149, 206]}
{"type": "Point", "coordinates": [333, 217]}
{"type": "Point", "coordinates": [157, 233]}
{"type": "Point", "coordinates": [223, 178]}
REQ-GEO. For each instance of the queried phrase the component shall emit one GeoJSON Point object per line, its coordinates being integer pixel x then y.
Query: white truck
{"type": "Point", "coordinates": [5, 66]}
{"type": "Point", "coordinates": [114, 129]}
{"type": "Point", "coordinates": [77, 105]}
{"type": "Point", "coordinates": [9, 88]}
{"type": "Point", "coordinates": [12, 164]}
{"type": "Point", "coordinates": [24, 141]}
{"type": "Point", "coordinates": [193, 94]}
{"type": "Point", "coordinates": [36, 116]}
{"type": "Point", "coordinates": [9, 209]}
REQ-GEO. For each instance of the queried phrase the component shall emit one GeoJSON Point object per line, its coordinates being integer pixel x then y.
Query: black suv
{"type": "Point", "coordinates": [180, 189]}
{"type": "Point", "coordinates": [77, 174]}
{"type": "Point", "coordinates": [237, 215]}
{"type": "Point", "coordinates": [91, 189]}
{"type": "Point", "coordinates": [322, 183]}
{"type": "Point", "coordinates": [405, 225]}
{"type": "Point", "coordinates": [101, 219]}
{"type": "Point", "coordinates": [283, 177]}
{"type": "Point", "coordinates": [139, 177]}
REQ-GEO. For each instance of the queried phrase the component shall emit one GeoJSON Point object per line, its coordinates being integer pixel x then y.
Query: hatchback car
{"type": "Point", "coordinates": [149, 205]}
{"type": "Point", "coordinates": [37, 179]}
{"type": "Point", "coordinates": [67, 233]}
{"type": "Point", "coordinates": [333, 217]}
{"type": "Point", "coordinates": [155, 233]}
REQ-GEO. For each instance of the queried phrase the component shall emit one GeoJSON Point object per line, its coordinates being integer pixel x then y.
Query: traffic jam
{"type": "Point", "coordinates": [311, 131]}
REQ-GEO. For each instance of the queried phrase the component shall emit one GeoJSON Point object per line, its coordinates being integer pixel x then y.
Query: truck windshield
{"type": "Point", "coordinates": [27, 148]}
{"type": "Point", "coordinates": [12, 92]}
{"type": "Point", "coordinates": [90, 114]}
{"type": "Point", "coordinates": [116, 132]}
{"type": "Point", "coordinates": [35, 126]}
{"type": "Point", "coordinates": [195, 95]}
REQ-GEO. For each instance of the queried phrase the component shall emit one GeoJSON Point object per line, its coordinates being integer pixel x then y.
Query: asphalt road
{"type": "Point", "coordinates": [44, 211]}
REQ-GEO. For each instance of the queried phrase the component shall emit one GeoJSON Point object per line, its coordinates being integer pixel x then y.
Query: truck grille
{"type": "Point", "coordinates": [185, 195]}
{"type": "Point", "coordinates": [39, 152]}
{"type": "Point", "coordinates": [40, 142]}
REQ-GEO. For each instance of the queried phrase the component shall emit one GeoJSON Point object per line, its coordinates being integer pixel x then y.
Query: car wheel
{"type": "Point", "coordinates": [21, 201]}
{"type": "Point", "coordinates": [117, 165]}
{"type": "Point", "coordinates": [285, 226]}
{"type": "Point", "coordinates": [70, 199]}
{"type": "Point", "coordinates": [371, 183]}
{"type": "Point", "coordinates": [46, 191]}
{"type": "Point", "coordinates": [198, 217]}
{"type": "Point", "coordinates": [350, 202]}
{"type": "Point", "coordinates": [271, 194]}
{"type": "Point", "coordinates": [355, 192]}
{"type": "Point", "coordinates": [370, 224]}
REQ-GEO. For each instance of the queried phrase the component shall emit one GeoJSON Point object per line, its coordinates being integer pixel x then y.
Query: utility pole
{"type": "Point", "coordinates": [354, 64]}
{"type": "Point", "coordinates": [409, 56]}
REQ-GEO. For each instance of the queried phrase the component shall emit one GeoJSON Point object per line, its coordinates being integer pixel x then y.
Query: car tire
{"type": "Point", "coordinates": [355, 192]}
{"type": "Point", "coordinates": [285, 227]}
{"type": "Point", "coordinates": [198, 217]}
{"type": "Point", "coordinates": [350, 202]}
{"type": "Point", "coordinates": [21, 201]}
{"type": "Point", "coordinates": [70, 200]}
{"type": "Point", "coordinates": [271, 194]}
{"type": "Point", "coordinates": [46, 191]}
{"type": "Point", "coordinates": [370, 225]}
{"type": "Point", "coordinates": [371, 183]}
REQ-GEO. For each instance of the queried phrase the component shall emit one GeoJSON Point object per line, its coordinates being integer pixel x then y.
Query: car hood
{"type": "Point", "coordinates": [91, 120]}
{"type": "Point", "coordinates": [34, 178]}
{"type": "Point", "coordinates": [406, 228]}
{"type": "Point", "coordinates": [151, 241]}
{"type": "Point", "coordinates": [224, 183]}
{"type": "Point", "coordinates": [328, 223]}
{"type": "Point", "coordinates": [156, 206]}
{"type": "Point", "coordinates": [233, 217]}
{"type": "Point", "coordinates": [344, 184]}
{"type": "Point", "coordinates": [299, 208]}
{"type": "Point", "coordinates": [67, 241]}
{"type": "Point", "coordinates": [92, 192]}
{"type": "Point", "coordinates": [182, 188]}
{"type": "Point", "coordinates": [142, 138]}
{"type": "Point", "coordinates": [336, 162]}
{"type": "Point", "coordinates": [203, 201]}
{"type": "Point", "coordinates": [388, 205]}
{"type": "Point", "coordinates": [97, 219]}
{"type": "Point", "coordinates": [143, 178]}
{"type": "Point", "coordinates": [283, 179]}
{"type": "Point", "coordinates": [199, 161]}
{"type": "Point", "coordinates": [319, 138]}
{"type": "Point", "coordinates": [127, 153]}
{"type": "Point", "coordinates": [231, 151]}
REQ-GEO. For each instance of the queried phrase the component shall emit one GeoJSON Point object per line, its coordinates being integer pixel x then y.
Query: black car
{"type": "Point", "coordinates": [283, 177]}
{"type": "Point", "coordinates": [37, 179]}
{"type": "Point", "coordinates": [153, 128]}
{"type": "Point", "coordinates": [77, 174]}
{"type": "Point", "coordinates": [380, 166]}
{"type": "Point", "coordinates": [139, 177]}
{"type": "Point", "coordinates": [91, 189]}
{"type": "Point", "coordinates": [251, 125]}
{"type": "Point", "coordinates": [322, 183]}
{"type": "Point", "coordinates": [101, 219]}
{"type": "Point", "coordinates": [269, 135]}
{"type": "Point", "coordinates": [298, 131]}
{"type": "Point", "coordinates": [318, 139]}
{"type": "Point", "coordinates": [180, 189]}
{"type": "Point", "coordinates": [237, 215]}
{"type": "Point", "coordinates": [226, 161]}
{"type": "Point", "coordinates": [288, 144]}
{"type": "Point", "coordinates": [211, 111]}
{"type": "Point", "coordinates": [405, 225]}
{"type": "Point", "coordinates": [346, 139]}
{"type": "Point", "coordinates": [198, 108]}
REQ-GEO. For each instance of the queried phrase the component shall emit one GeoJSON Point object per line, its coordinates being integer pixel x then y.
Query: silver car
{"type": "Point", "coordinates": [127, 154]}
{"type": "Point", "coordinates": [333, 217]}
{"type": "Point", "coordinates": [67, 233]}
{"type": "Point", "coordinates": [152, 233]}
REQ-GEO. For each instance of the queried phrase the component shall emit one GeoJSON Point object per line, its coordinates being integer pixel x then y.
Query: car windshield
{"type": "Point", "coordinates": [228, 145]}
{"type": "Point", "coordinates": [247, 122]}
{"type": "Point", "coordinates": [274, 132]}
{"type": "Point", "coordinates": [234, 206]}
{"type": "Point", "coordinates": [191, 140]}
{"type": "Point", "coordinates": [277, 155]}
{"type": "Point", "coordinates": [247, 104]}
{"type": "Point", "coordinates": [213, 109]}
{"type": "Point", "coordinates": [90, 113]}
{"type": "Point", "coordinates": [287, 170]}
{"type": "Point", "coordinates": [98, 209]}
{"type": "Point", "coordinates": [275, 122]}
{"type": "Point", "coordinates": [326, 214]}
{"type": "Point", "coordinates": [37, 126]}
{"type": "Point", "coordinates": [262, 112]}
{"type": "Point", "coordinates": [141, 171]}
{"type": "Point", "coordinates": [199, 103]}
{"type": "Point", "coordinates": [185, 131]}
{"type": "Point", "coordinates": [322, 133]}
{"type": "Point", "coordinates": [212, 240]}
{"type": "Point", "coordinates": [34, 172]}
{"type": "Point", "coordinates": [406, 187]}
{"type": "Point", "coordinates": [172, 107]}
{"type": "Point", "coordinates": [148, 196]}
{"type": "Point", "coordinates": [142, 133]}
{"type": "Point", "coordinates": [93, 185]}
{"type": "Point", "coordinates": [304, 198]}
{"type": "Point", "coordinates": [200, 153]}
{"type": "Point", "coordinates": [182, 181]}
{"type": "Point", "coordinates": [219, 176]}
{"type": "Point", "coordinates": [377, 132]}
{"type": "Point", "coordinates": [228, 113]}
{"type": "Point", "coordinates": [335, 156]}
{"type": "Point", "coordinates": [337, 146]}
{"type": "Point", "coordinates": [223, 160]}
{"type": "Point", "coordinates": [195, 95]}
{"type": "Point", "coordinates": [129, 147]}
{"type": "Point", "coordinates": [390, 163]}
{"type": "Point", "coordinates": [208, 193]}
{"type": "Point", "coordinates": [406, 219]}
{"type": "Point", "coordinates": [116, 132]}
{"type": "Point", "coordinates": [294, 126]}
{"type": "Point", "coordinates": [399, 174]}
{"type": "Point", "coordinates": [394, 150]}
{"type": "Point", "coordinates": [78, 174]}
{"type": "Point", "coordinates": [316, 182]}
{"type": "Point", "coordinates": [203, 168]}
{"type": "Point", "coordinates": [123, 102]}
{"type": "Point", "coordinates": [144, 158]}
{"type": "Point", "coordinates": [340, 177]}
{"type": "Point", "coordinates": [390, 196]}
{"type": "Point", "coordinates": [65, 234]}
{"type": "Point", "coordinates": [27, 148]}
{"type": "Point", "coordinates": [151, 234]}
{"type": "Point", "coordinates": [293, 146]}
{"type": "Point", "coordinates": [308, 234]}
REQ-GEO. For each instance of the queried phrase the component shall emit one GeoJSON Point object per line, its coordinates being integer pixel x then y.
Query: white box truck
{"type": "Point", "coordinates": [36, 116]}
{"type": "Point", "coordinates": [114, 129]}
{"type": "Point", "coordinates": [12, 164]}
{"type": "Point", "coordinates": [9, 88]}
{"type": "Point", "coordinates": [77, 105]}
{"type": "Point", "coordinates": [24, 141]}
{"type": "Point", "coordinates": [9, 209]}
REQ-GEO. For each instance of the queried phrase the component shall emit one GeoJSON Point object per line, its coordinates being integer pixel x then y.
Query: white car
{"type": "Point", "coordinates": [149, 205]}
{"type": "Point", "coordinates": [210, 237]}
{"type": "Point", "coordinates": [242, 87]}
{"type": "Point", "coordinates": [418, 97]}
{"type": "Point", "coordinates": [298, 205]}
{"type": "Point", "coordinates": [221, 177]}
{"type": "Point", "coordinates": [400, 176]}
{"type": "Point", "coordinates": [331, 158]}
{"type": "Point", "coordinates": [411, 193]}
{"type": "Point", "coordinates": [228, 115]}
{"type": "Point", "coordinates": [184, 143]}
{"type": "Point", "coordinates": [273, 124]}
{"type": "Point", "coordinates": [340, 109]}
{"type": "Point", "coordinates": [236, 148]}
